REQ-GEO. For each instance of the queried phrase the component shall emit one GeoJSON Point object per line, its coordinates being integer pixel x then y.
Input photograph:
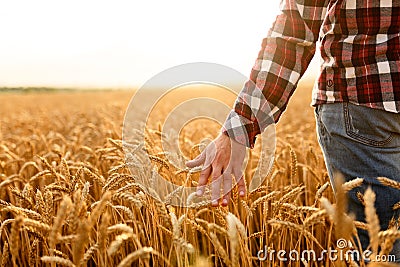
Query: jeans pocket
{"type": "Point", "coordinates": [366, 125]}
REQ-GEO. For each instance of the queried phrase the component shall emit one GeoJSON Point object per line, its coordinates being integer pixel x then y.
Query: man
{"type": "Point", "coordinates": [357, 97]}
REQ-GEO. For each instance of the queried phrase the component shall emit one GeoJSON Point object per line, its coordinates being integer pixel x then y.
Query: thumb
{"type": "Point", "coordinates": [197, 161]}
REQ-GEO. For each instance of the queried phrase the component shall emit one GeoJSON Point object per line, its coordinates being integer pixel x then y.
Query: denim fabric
{"type": "Point", "coordinates": [358, 141]}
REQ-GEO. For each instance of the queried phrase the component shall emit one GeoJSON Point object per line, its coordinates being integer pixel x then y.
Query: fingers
{"type": "Point", "coordinates": [220, 155]}
{"type": "Point", "coordinates": [216, 185]}
{"type": "Point", "coordinates": [240, 182]}
{"type": "Point", "coordinates": [197, 160]}
{"type": "Point", "coordinates": [242, 187]}
{"type": "Point", "coordinates": [205, 173]}
{"type": "Point", "coordinates": [227, 187]}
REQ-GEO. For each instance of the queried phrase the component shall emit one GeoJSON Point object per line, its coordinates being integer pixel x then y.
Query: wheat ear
{"type": "Point", "coordinates": [372, 219]}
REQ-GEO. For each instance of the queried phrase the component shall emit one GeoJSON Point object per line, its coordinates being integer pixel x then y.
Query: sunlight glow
{"type": "Point", "coordinates": [123, 43]}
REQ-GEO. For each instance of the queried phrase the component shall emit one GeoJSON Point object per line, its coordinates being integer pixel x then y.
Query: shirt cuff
{"type": "Point", "coordinates": [241, 129]}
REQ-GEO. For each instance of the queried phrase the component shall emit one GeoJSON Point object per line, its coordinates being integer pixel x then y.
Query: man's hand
{"type": "Point", "coordinates": [220, 159]}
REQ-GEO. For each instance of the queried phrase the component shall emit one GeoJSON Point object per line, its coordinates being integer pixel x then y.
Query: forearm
{"type": "Point", "coordinates": [284, 56]}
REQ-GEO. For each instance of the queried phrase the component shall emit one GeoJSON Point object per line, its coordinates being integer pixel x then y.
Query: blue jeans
{"type": "Point", "coordinates": [358, 141]}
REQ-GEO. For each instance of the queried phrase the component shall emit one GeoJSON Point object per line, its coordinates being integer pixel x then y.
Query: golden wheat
{"type": "Point", "coordinates": [70, 196]}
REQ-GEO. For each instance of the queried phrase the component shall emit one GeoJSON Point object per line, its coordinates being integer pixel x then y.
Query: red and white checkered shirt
{"type": "Point", "coordinates": [359, 42]}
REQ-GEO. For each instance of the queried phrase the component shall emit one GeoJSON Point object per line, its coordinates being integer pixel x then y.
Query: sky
{"type": "Point", "coordinates": [123, 43]}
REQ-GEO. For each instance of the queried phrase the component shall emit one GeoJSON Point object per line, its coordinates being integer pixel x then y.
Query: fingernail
{"type": "Point", "coordinates": [225, 202]}
{"type": "Point", "coordinates": [199, 193]}
{"type": "Point", "coordinates": [214, 202]}
{"type": "Point", "coordinates": [241, 193]}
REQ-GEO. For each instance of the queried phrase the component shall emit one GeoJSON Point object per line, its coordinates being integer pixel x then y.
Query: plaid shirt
{"type": "Point", "coordinates": [359, 42]}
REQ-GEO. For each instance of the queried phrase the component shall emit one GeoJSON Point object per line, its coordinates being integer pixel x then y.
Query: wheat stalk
{"type": "Point", "coordinates": [314, 218]}
{"type": "Point", "coordinates": [140, 253]}
{"type": "Point", "coordinates": [15, 239]}
{"type": "Point", "coordinates": [33, 252]}
{"type": "Point", "coordinates": [58, 260]}
{"type": "Point", "coordinates": [389, 182]}
{"type": "Point", "coordinates": [233, 238]}
{"type": "Point", "coordinates": [58, 222]}
{"type": "Point", "coordinates": [5, 255]}
{"type": "Point", "coordinates": [347, 186]}
{"type": "Point", "coordinates": [372, 219]}
{"type": "Point", "coordinates": [220, 249]}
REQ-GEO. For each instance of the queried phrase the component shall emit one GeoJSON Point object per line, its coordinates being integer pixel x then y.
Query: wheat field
{"type": "Point", "coordinates": [68, 197]}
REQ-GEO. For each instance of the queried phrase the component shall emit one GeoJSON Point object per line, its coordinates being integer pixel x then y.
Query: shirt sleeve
{"type": "Point", "coordinates": [284, 56]}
